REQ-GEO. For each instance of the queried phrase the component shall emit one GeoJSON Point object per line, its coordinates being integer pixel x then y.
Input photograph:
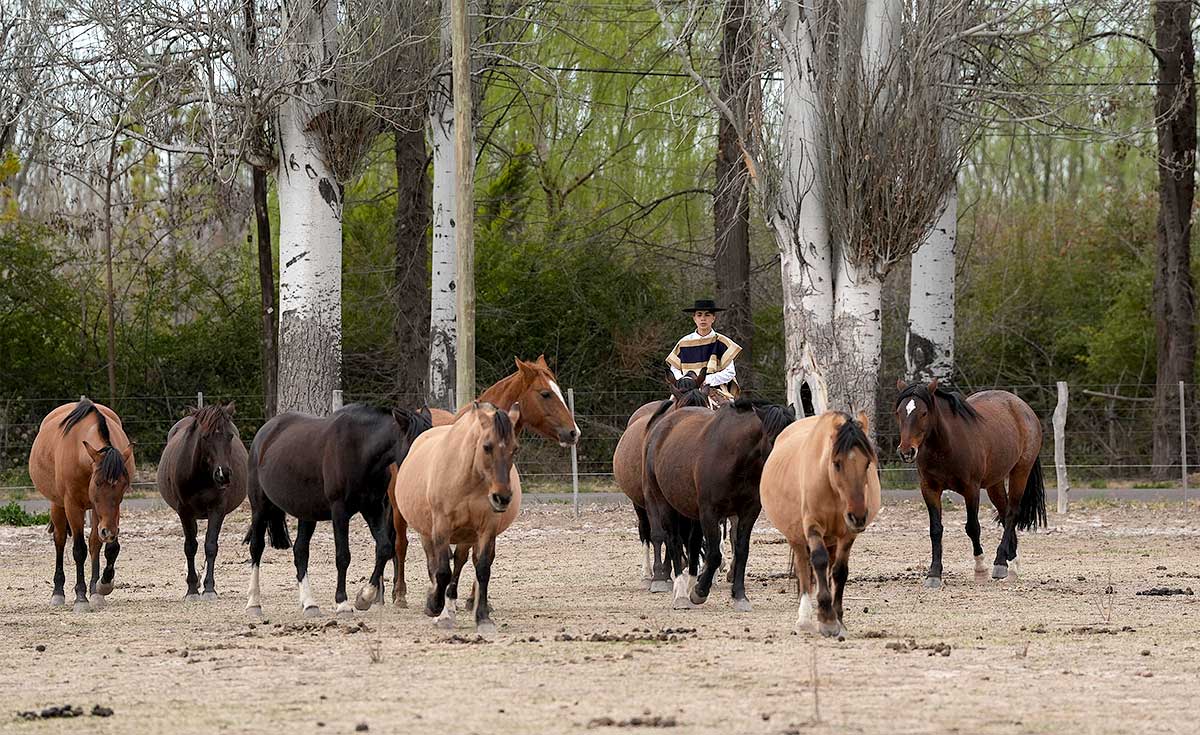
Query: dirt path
{"type": "Point", "coordinates": [1050, 653]}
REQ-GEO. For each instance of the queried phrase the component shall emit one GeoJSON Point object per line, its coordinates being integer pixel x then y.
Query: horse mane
{"type": "Point", "coordinates": [850, 435]}
{"type": "Point", "coordinates": [958, 404]}
{"type": "Point", "coordinates": [77, 414]}
{"type": "Point", "coordinates": [503, 425]}
{"type": "Point", "coordinates": [210, 418]}
{"type": "Point", "coordinates": [112, 465]}
{"type": "Point", "coordinates": [774, 418]}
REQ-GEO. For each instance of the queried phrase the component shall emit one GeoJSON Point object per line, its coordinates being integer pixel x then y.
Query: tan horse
{"type": "Point", "coordinates": [81, 460]}
{"type": "Point", "coordinates": [458, 485]}
{"type": "Point", "coordinates": [820, 488]}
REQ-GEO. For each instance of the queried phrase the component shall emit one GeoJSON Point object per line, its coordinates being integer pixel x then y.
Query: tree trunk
{"type": "Point", "coordinates": [443, 332]}
{"type": "Point", "coordinates": [929, 343]}
{"type": "Point", "coordinates": [731, 202]}
{"type": "Point", "coordinates": [310, 231]}
{"type": "Point", "coordinates": [109, 290]}
{"type": "Point", "coordinates": [800, 228]}
{"type": "Point", "coordinates": [266, 282]}
{"type": "Point", "coordinates": [857, 307]}
{"type": "Point", "coordinates": [1174, 298]}
{"type": "Point", "coordinates": [412, 267]}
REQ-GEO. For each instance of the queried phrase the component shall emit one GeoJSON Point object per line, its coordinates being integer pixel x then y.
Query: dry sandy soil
{"type": "Point", "coordinates": [1053, 652]}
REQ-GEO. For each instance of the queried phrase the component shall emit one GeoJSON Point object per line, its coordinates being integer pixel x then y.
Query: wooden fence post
{"type": "Point", "coordinates": [1183, 441]}
{"type": "Point", "coordinates": [574, 455]}
{"type": "Point", "coordinates": [1060, 448]}
{"type": "Point", "coordinates": [199, 399]}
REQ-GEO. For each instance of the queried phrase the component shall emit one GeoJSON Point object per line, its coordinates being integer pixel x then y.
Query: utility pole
{"type": "Point", "coordinates": [464, 225]}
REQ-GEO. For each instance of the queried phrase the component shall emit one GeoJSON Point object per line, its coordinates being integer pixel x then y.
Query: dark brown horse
{"type": "Point", "coordinates": [689, 390]}
{"type": "Point", "coordinates": [704, 466]}
{"type": "Point", "coordinates": [81, 460]}
{"type": "Point", "coordinates": [987, 440]}
{"type": "Point", "coordinates": [325, 469]}
{"type": "Point", "coordinates": [202, 474]}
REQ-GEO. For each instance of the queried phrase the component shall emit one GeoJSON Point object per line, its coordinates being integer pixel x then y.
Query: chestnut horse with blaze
{"type": "Point", "coordinates": [987, 440]}
{"type": "Point", "coordinates": [82, 460]}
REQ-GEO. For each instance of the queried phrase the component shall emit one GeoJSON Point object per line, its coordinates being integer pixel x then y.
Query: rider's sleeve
{"type": "Point", "coordinates": [676, 372]}
{"type": "Point", "coordinates": [721, 377]}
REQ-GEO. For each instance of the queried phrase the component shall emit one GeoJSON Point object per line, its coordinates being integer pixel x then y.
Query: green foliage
{"type": "Point", "coordinates": [14, 515]}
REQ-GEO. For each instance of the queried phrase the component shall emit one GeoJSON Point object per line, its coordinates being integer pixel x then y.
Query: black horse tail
{"type": "Point", "coordinates": [277, 530]}
{"type": "Point", "coordinates": [1032, 512]}
{"type": "Point", "coordinates": [643, 524]}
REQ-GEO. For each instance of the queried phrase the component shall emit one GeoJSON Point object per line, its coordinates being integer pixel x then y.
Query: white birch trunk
{"type": "Point", "coordinates": [859, 330]}
{"type": "Point", "coordinates": [310, 230]}
{"type": "Point", "coordinates": [443, 334]}
{"type": "Point", "coordinates": [799, 224]}
{"type": "Point", "coordinates": [929, 343]}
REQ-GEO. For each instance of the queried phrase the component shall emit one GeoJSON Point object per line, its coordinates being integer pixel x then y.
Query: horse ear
{"type": "Point", "coordinates": [900, 384]}
{"type": "Point", "coordinates": [230, 408]}
{"type": "Point", "coordinates": [91, 452]}
{"type": "Point", "coordinates": [542, 361]}
{"type": "Point", "coordinates": [671, 384]}
{"type": "Point", "coordinates": [190, 410]}
{"type": "Point", "coordinates": [514, 413]}
{"type": "Point", "coordinates": [933, 386]}
{"type": "Point", "coordinates": [403, 417]}
{"type": "Point", "coordinates": [791, 411]}
{"type": "Point", "coordinates": [128, 453]}
{"type": "Point", "coordinates": [475, 405]}
{"type": "Point", "coordinates": [426, 414]}
{"type": "Point", "coordinates": [864, 422]}
{"type": "Point", "coordinates": [703, 374]}
{"type": "Point", "coordinates": [527, 369]}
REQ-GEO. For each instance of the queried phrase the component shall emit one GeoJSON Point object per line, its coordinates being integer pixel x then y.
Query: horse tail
{"type": "Point", "coordinates": [1032, 512]}
{"type": "Point", "coordinates": [662, 409]}
{"type": "Point", "coordinates": [277, 530]}
{"type": "Point", "coordinates": [643, 524]}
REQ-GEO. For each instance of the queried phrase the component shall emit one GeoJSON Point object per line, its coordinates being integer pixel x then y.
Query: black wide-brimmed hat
{"type": "Point", "coordinates": [703, 305]}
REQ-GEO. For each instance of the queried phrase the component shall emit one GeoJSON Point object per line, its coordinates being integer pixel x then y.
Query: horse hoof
{"type": "Point", "coordinates": [933, 583]}
{"type": "Point", "coordinates": [682, 603]}
{"type": "Point", "coordinates": [98, 601]}
{"type": "Point", "coordinates": [345, 614]}
{"type": "Point", "coordinates": [660, 585]}
{"type": "Point", "coordinates": [191, 597]}
{"type": "Point", "coordinates": [400, 601]}
{"type": "Point", "coordinates": [646, 582]}
{"type": "Point", "coordinates": [444, 623]}
{"type": "Point", "coordinates": [831, 630]}
{"type": "Point", "coordinates": [255, 612]}
{"type": "Point", "coordinates": [696, 598]}
{"type": "Point", "coordinates": [104, 588]}
{"type": "Point", "coordinates": [365, 598]}
{"type": "Point", "coordinates": [1000, 571]}
{"type": "Point", "coordinates": [485, 628]}
{"type": "Point", "coordinates": [742, 605]}
{"type": "Point", "coordinates": [58, 600]}
{"type": "Point", "coordinates": [209, 595]}
{"type": "Point", "coordinates": [312, 611]}
{"type": "Point", "coordinates": [82, 606]}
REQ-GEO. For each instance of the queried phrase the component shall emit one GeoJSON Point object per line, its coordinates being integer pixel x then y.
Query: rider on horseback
{"type": "Point", "coordinates": [706, 347]}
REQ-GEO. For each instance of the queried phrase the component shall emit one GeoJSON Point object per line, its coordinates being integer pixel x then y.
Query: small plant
{"type": "Point", "coordinates": [14, 515]}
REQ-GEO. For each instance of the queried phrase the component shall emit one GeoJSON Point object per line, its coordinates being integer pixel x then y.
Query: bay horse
{"type": "Point", "coordinates": [689, 390]}
{"type": "Point", "coordinates": [986, 440]}
{"type": "Point", "coordinates": [82, 460]}
{"type": "Point", "coordinates": [202, 474]}
{"type": "Point", "coordinates": [704, 466]}
{"type": "Point", "coordinates": [820, 489]}
{"type": "Point", "coordinates": [459, 486]}
{"type": "Point", "coordinates": [325, 469]}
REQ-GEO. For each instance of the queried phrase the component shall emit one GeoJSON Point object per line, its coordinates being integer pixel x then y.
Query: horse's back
{"type": "Point", "coordinates": [410, 483]}
{"type": "Point", "coordinates": [1006, 415]}
{"type": "Point", "coordinates": [57, 458]}
{"type": "Point", "coordinates": [627, 460]}
{"type": "Point", "coordinates": [787, 478]}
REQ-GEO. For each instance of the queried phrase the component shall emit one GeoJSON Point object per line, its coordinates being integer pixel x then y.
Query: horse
{"type": "Point", "coordinates": [964, 444]}
{"type": "Point", "coordinates": [820, 489]}
{"type": "Point", "coordinates": [703, 465]}
{"type": "Point", "coordinates": [82, 460]}
{"type": "Point", "coordinates": [690, 390]}
{"type": "Point", "coordinates": [459, 485]}
{"type": "Point", "coordinates": [543, 410]}
{"type": "Point", "coordinates": [325, 469]}
{"type": "Point", "coordinates": [202, 474]}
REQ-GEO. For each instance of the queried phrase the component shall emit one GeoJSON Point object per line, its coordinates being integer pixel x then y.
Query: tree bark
{"type": "Point", "coordinates": [266, 281]}
{"type": "Point", "coordinates": [109, 290]}
{"type": "Point", "coordinates": [1174, 297]}
{"type": "Point", "coordinates": [412, 267]}
{"type": "Point", "coordinates": [929, 343]}
{"type": "Point", "coordinates": [310, 229]}
{"type": "Point", "coordinates": [443, 332]}
{"type": "Point", "coordinates": [731, 201]}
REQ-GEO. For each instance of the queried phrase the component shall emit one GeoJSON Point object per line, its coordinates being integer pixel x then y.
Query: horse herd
{"type": "Point", "coordinates": [686, 467]}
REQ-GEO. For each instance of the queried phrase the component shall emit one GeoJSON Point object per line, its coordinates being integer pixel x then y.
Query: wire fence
{"type": "Point", "coordinates": [1109, 433]}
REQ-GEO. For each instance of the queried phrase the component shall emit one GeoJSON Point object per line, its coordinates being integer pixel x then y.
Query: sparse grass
{"type": "Point", "coordinates": [1153, 485]}
{"type": "Point", "coordinates": [14, 515]}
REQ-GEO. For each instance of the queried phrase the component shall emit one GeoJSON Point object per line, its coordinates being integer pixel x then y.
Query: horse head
{"type": "Point", "coordinates": [107, 485]}
{"type": "Point", "coordinates": [917, 416]}
{"type": "Point", "coordinates": [409, 425]}
{"type": "Point", "coordinates": [213, 432]}
{"type": "Point", "coordinates": [774, 420]}
{"type": "Point", "coordinates": [544, 410]}
{"type": "Point", "coordinates": [690, 390]}
{"type": "Point", "coordinates": [850, 455]}
{"type": "Point", "coordinates": [494, 450]}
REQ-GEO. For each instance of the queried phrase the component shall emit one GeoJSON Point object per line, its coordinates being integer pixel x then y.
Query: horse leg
{"type": "Point", "coordinates": [732, 523]}
{"type": "Point", "coordinates": [385, 549]}
{"type": "Point", "coordinates": [189, 553]}
{"type": "Point", "coordinates": [827, 621]}
{"type": "Point", "coordinates": [212, 535]}
{"type": "Point", "coordinates": [971, 495]}
{"type": "Point", "coordinates": [710, 526]}
{"type": "Point", "coordinates": [644, 537]}
{"type": "Point", "coordinates": [841, 570]}
{"type": "Point", "coordinates": [79, 550]}
{"type": "Point", "coordinates": [58, 523]}
{"type": "Point", "coordinates": [933, 503]}
{"type": "Point", "coordinates": [111, 550]}
{"type": "Point", "coordinates": [675, 543]}
{"type": "Point", "coordinates": [741, 554]}
{"type": "Point", "coordinates": [341, 545]}
{"type": "Point", "coordinates": [1016, 490]}
{"type": "Point", "coordinates": [438, 604]}
{"type": "Point", "coordinates": [803, 568]}
{"type": "Point", "coordinates": [461, 553]}
{"type": "Point", "coordinates": [659, 538]}
{"type": "Point", "coordinates": [485, 553]}
{"type": "Point", "coordinates": [304, 533]}
{"type": "Point", "coordinates": [94, 552]}
{"type": "Point", "coordinates": [399, 585]}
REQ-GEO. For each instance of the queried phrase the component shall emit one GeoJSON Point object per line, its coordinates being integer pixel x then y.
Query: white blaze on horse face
{"type": "Point", "coordinates": [554, 387]}
{"type": "Point", "coordinates": [253, 596]}
{"type": "Point", "coordinates": [912, 406]}
{"type": "Point", "coordinates": [306, 596]}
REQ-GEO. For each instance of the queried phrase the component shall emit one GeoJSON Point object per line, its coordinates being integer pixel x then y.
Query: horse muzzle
{"type": "Point", "coordinates": [856, 523]}
{"type": "Point", "coordinates": [568, 437]}
{"type": "Point", "coordinates": [106, 535]}
{"type": "Point", "coordinates": [222, 476]}
{"type": "Point", "coordinates": [908, 457]}
{"type": "Point", "coordinates": [500, 502]}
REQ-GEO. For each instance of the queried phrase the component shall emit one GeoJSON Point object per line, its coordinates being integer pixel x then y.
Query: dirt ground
{"type": "Point", "coordinates": [1069, 648]}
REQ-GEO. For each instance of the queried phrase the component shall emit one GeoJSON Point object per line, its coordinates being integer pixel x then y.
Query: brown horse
{"type": "Point", "coordinates": [459, 485]}
{"type": "Point", "coordinates": [81, 460]}
{"type": "Point", "coordinates": [202, 474]}
{"type": "Point", "coordinates": [820, 488]}
{"type": "Point", "coordinates": [689, 390]}
{"type": "Point", "coordinates": [704, 466]}
{"type": "Point", "coordinates": [963, 445]}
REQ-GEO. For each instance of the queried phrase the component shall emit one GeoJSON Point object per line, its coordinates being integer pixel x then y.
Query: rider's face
{"type": "Point", "coordinates": [704, 321]}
